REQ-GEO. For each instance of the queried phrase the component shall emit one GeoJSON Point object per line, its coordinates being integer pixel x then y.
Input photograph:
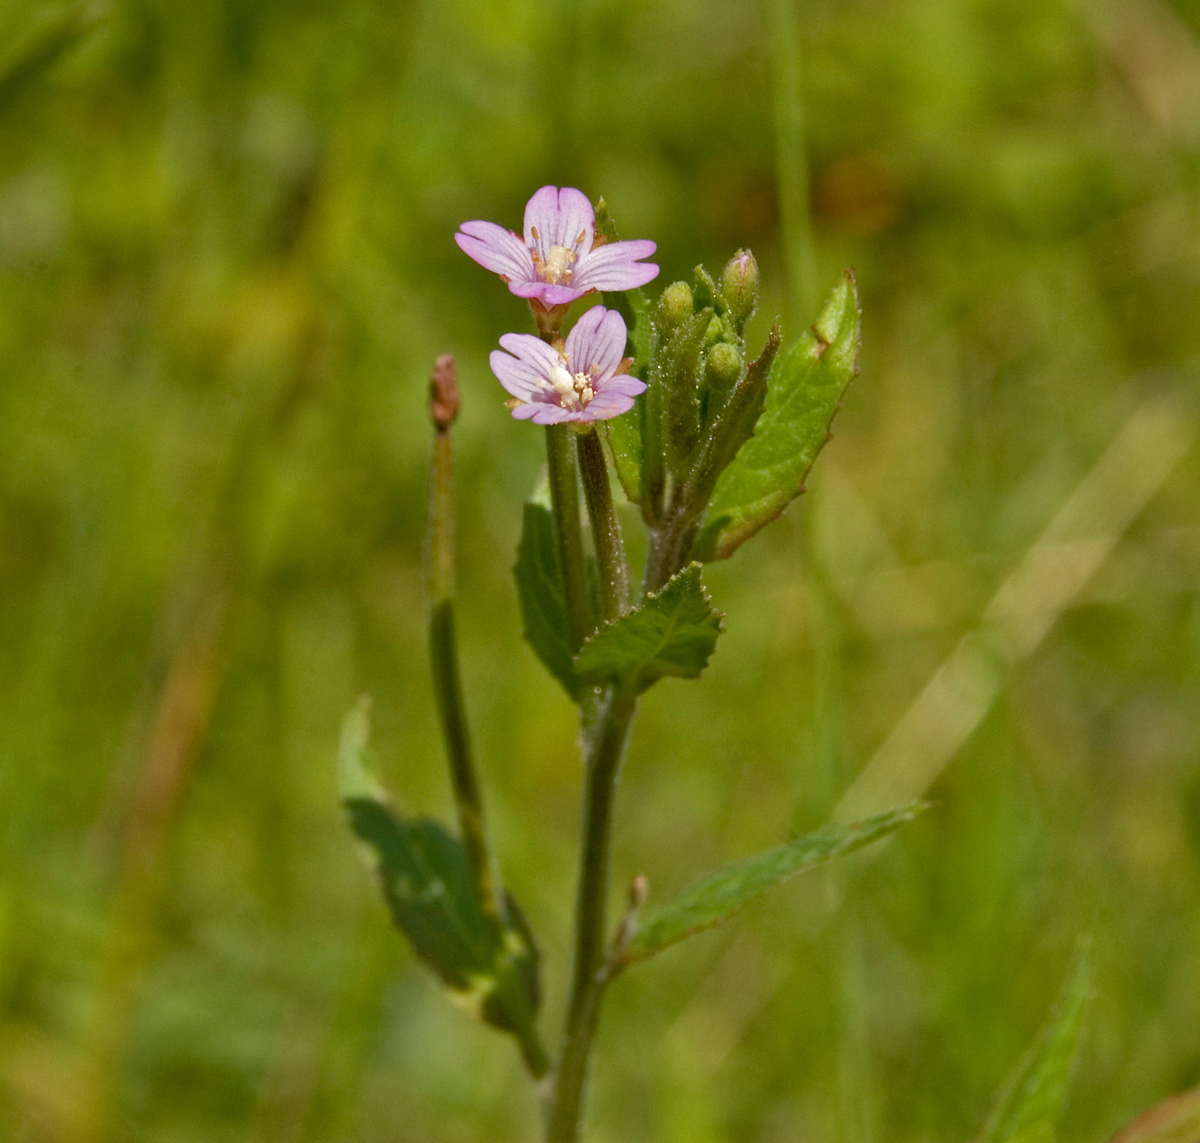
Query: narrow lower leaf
{"type": "Point", "coordinates": [1175, 1120]}
{"type": "Point", "coordinates": [489, 967]}
{"type": "Point", "coordinates": [1028, 1106]}
{"type": "Point", "coordinates": [673, 632]}
{"type": "Point", "coordinates": [715, 900]}
{"type": "Point", "coordinates": [540, 592]}
{"type": "Point", "coordinates": [805, 387]}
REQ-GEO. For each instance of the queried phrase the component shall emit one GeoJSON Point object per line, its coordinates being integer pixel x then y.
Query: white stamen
{"type": "Point", "coordinates": [583, 387]}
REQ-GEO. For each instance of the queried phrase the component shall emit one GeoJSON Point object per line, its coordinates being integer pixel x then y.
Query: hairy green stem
{"type": "Point", "coordinates": [568, 532]}
{"type": "Point", "coordinates": [606, 531]}
{"type": "Point", "coordinates": [670, 545]}
{"type": "Point", "coordinates": [605, 745]}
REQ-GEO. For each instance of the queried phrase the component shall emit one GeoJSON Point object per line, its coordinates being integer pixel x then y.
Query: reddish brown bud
{"type": "Point", "coordinates": [443, 393]}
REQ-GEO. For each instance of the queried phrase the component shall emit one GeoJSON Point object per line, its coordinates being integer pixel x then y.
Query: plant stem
{"type": "Point", "coordinates": [606, 531]}
{"type": "Point", "coordinates": [605, 745]}
{"type": "Point", "coordinates": [791, 157]}
{"type": "Point", "coordinates": [447, 688]}
{"type": "Point", "coordinates": [564, 500]}
{"type": "Point", "coordinates": [670, 545]}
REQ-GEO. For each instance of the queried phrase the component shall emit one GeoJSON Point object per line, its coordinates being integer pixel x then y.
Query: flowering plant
{"type": "Point", "coordinates": [711, 446]}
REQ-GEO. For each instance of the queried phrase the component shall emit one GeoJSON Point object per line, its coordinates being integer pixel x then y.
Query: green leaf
{"type": "Point", "coordinates": [715, 900]}
{"type": "Point", "coordinates": [672, 633]}
{"type": "Point", "coordinates": [489, 967]}
{"type": "Point", "coordinates": [734, 426]}
{"type": "Point", "coordinates": [1029, 1104]}
{"type": "Point", "coordinates": [1175, 1120]}
{"type": "Point", "coordinates": [540, 592]}
{"type": "Point", "coordinates": [805, 389]}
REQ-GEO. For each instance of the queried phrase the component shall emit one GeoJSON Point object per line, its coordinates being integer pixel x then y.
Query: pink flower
{"type": "Point", "coordinates": [557, 262]}
{"type": "Point", "coordinates": [577, 381]}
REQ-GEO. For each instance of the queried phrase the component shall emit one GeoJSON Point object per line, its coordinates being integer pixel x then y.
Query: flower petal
{"type": "Point", "coordinates": [615, 266]}
{"type": "Point", "coordinates": [606, 405]}
{"type": "Point", "coordinates": [560, 217]}
{"type": "Point", "coordinates": [496, 249]}
{"type": "Point", "coordinates": [598, 338]}
{"type": "Point", "coordinates": [623, 384]}
{"type": "Point", "coordinates": [548, 293]}
{"type": "Point", "coordinates": [526, 411]}
{"type": "Point", "coordinates": [546, 414]}
{"type": "Point", "coordinates": [520, 378]}
{"type": "Point", "coordinates": [533, 350]}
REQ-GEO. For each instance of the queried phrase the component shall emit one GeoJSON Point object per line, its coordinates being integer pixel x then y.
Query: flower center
{"type": "Point", "coordinates": [557, 266]}
{"type": "Point", "coordinates": [574, 389]}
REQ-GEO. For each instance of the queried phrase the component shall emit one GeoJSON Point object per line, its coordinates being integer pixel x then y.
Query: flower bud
{"type": "Point", "coordinates": [717, 331]}
{"type": "Point", "coordinates": [675, 305]}
{"type": "Point", "coordinates": [724, 364]}
{"type": "Point", "coordinates": [739, 286]}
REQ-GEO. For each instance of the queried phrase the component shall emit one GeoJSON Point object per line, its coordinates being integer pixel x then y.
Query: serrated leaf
{"type": "Point", "coordinates": [722, 895]}
{"type": "Point", "coordinates": [672, 633]}
{"type": "Point", "coordinates": [1029, 1104]}
{"type": "Point", "coordinates": [540, 592]}
{"type": "Point", "coordinates": [1175, 1120]}
{"type": "Point", "coordinates": [804, 391]}
{"type": "Point", "coordinates": [488, 966]}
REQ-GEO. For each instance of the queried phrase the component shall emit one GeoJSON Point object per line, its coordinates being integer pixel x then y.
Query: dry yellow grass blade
{"type": "Point", "coordinates": [1053, 572]}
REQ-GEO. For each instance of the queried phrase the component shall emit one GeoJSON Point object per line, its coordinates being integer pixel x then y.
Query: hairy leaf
{"type": "Point", "coordinates": [804, 391]}
{"type": "Point", "coordinates": [489, 967]}
{"type": "Point", "coordinates": [672, 633]}
{"type": "Point", "coordinates": [1029, 1104]}
{"type": "Point", "coordinates": [715, 900]}
{"type": "Point", "coordinates": [540, 592]}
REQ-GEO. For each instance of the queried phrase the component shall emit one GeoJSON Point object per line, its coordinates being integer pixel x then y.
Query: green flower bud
{"type": "Point", "coordinates": [675, 305]}
{"type": "Point", "coordinates": [724, 365]}
{"type": "Point", "coordinates": [739, 287]}
{"type": "Point", "coordinates": [715, 331]}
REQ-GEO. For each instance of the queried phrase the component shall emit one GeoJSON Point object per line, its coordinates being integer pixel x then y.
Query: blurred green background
{"type": "Point", "coordinates": [226, 265]}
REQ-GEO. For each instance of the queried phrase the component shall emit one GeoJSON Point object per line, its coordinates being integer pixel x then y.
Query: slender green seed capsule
{"type": "Point", "coordinates": [675, 305]}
